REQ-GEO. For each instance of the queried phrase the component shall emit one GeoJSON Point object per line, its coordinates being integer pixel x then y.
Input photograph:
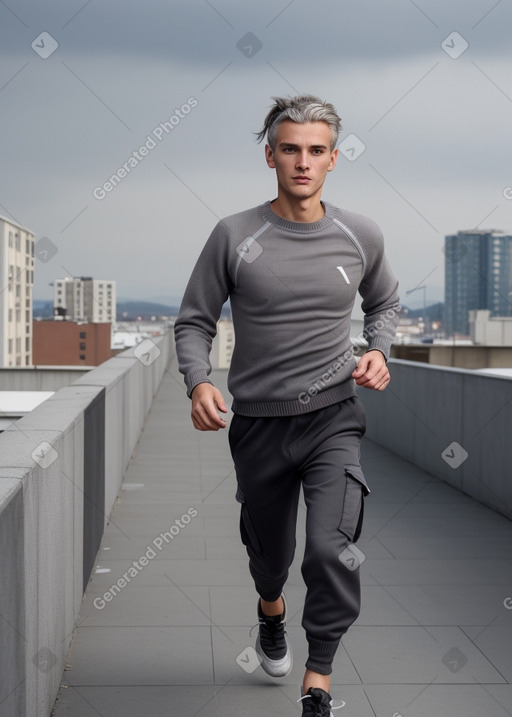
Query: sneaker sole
{"type": "Point", "coordinates": [276, 668]}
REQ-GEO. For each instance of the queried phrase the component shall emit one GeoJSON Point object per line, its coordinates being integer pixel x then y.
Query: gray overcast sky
{"type": "Point", "coordinates": [435, 124]}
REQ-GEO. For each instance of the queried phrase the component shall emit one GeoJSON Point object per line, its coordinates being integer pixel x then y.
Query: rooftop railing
{"type": "Point", "coordinates": [61, 468]}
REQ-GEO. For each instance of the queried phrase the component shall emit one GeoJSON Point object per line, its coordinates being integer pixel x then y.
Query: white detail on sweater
{"type": "Point", "coordinates": [353, 239]}
{"type": "Point", "coordinates": [343, 273]}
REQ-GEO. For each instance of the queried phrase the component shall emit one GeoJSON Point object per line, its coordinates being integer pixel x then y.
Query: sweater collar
{"type": "Point", "coordinates": [269, 215]}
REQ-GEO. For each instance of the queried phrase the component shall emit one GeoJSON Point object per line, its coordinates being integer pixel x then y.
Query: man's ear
{"type": "Point", "coordinates": [269, 156]}
{"type": "Point", "coordinates": [334, 158]}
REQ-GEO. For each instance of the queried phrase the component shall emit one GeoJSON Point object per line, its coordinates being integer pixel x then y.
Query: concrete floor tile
{"type": "Point", "coordinates": [412, 545]}
{"type": "Point", "coordinates": [225, 571]}
{"type": "Point", "coordinates": [146, 605]}
{"type": "Point", "coordinates": [222, 547]}
{"type": "Point", "coordinates": [495, 642]}
{"type": "Point", "coordinates": [398, 655]}
{"type": "Point", "coordinates": [124, 547]}
{"type": "Point", "coordinates": [128, 701]}
{"type": "Point", "coordinates": [141, 656]}
{"type": "Point", "coordinates": [379, 607]}
{"type": "Point", "coordinates": [429, 700]}
{"type": "Point", "coordinates": [453, 604]}
{"type": "Point", "coordinates": [467, 572]}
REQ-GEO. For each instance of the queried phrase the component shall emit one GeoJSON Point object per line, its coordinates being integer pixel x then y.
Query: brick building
{"type": "Point", "coordinates": [68, 343]}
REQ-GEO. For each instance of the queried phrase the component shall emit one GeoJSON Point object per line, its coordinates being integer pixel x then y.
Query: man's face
{"type": "Point", "coordinates": [302, 158]}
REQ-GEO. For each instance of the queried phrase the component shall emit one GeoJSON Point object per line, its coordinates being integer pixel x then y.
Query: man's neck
{"type": "Point", "coordinates": [306, 210]}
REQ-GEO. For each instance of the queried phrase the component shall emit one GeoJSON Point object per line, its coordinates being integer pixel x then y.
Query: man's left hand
{"type": "Point", "coordinates": [371, 371]}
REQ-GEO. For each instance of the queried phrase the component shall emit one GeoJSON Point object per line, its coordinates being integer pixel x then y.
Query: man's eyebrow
{"type": "Point", "coordinates": [296, 146]}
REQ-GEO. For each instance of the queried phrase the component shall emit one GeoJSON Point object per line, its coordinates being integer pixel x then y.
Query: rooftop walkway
{"type": "Point", "coordinates": [434, 635]}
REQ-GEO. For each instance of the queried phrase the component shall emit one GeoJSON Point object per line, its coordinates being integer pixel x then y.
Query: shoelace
{"type": "Point", "coordinates": [338, 707]}
{"type": "Point", "coordinates": [274, 629]}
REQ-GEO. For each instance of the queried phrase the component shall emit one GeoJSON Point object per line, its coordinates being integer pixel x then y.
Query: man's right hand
{"type": "Point", "coordinates": [206, 402]}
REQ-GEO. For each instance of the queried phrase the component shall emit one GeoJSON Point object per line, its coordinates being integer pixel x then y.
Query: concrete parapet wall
{"type": "Point", "coordinates": [39, 378]}
{"type": "Point", "coordinates": [433, 416]}
{"type": "Point", "coordinates": [61, 468]}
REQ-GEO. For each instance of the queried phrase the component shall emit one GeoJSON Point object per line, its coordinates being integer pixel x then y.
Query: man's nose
{"type": "Point", "coordinates": [302, 160]}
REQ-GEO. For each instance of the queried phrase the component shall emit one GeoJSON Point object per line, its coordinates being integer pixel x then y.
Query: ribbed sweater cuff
{"type": "Point", "coordinates": [382, 343]}
{"type": "Point", "coordinates": [192, 379]}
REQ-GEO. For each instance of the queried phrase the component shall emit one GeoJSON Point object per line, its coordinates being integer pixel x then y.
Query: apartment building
{"type": "Point", "coordinates": [16, 284]}
{"type": "Point", "coordinates": [84, 299]}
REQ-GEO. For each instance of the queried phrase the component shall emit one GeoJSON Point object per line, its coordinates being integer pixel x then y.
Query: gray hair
{"type": "Point", "coordinates": [301, 109]}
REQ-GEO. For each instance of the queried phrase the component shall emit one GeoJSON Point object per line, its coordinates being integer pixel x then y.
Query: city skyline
{"type": "Point", "coordinates": [127, 135]}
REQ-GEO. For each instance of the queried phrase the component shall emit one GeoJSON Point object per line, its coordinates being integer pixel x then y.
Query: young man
{"type": "Point", "coordinates": [292, 267]}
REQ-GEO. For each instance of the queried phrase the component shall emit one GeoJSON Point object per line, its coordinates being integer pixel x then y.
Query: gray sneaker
{"type": "Point", "coordinates": [272, 643]}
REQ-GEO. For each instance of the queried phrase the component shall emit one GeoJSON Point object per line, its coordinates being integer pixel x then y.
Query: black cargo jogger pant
{"type": "Point", "coordinates": [273, 457]}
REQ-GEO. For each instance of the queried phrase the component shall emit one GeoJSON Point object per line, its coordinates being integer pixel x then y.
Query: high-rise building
{"type": "Point", "coordinates": [478, 274]}
{"type": "Point", "coordinates": [84, 299]}
{"type": "Point", "coordinates": [16, 282]}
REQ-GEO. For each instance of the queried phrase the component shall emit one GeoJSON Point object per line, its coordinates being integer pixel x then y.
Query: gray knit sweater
{"type": "Point", "coordinates": [292, 286]}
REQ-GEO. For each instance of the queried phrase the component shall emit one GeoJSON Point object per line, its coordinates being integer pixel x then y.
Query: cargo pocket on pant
{"type": "Point", "coordinates": [356, 489]}
{"type": "Point", "coordinates": [247, 532]}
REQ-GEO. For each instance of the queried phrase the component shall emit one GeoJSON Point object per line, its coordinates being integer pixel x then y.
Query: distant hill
{"type": "Point", "coordinates": [435, 312]}
{"type": "Point", "coordinates": [42, 309]}
{"type": "Point", "coordinates": [127, 310]}
{"type": "Point", "coordinates": [133, 310]}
